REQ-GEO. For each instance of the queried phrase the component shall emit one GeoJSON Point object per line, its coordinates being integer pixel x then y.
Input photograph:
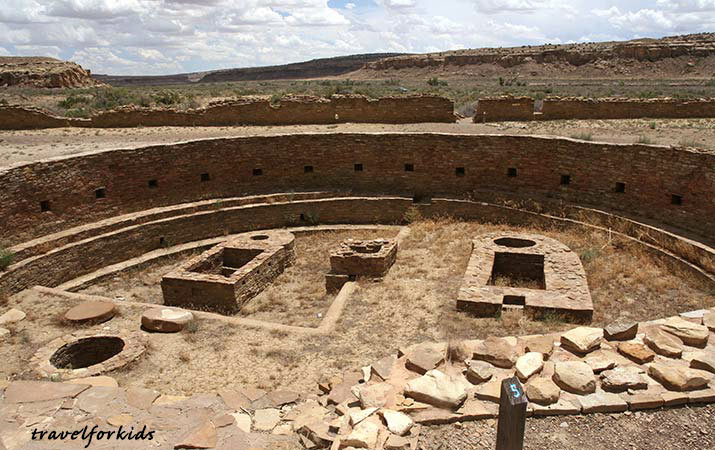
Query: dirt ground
{"type": "Point", "coordinates": [32, 145]}
{"type": "Point", "coordinates": [414, 303]}
{"type": "Point", "coordinates": [665, 429]}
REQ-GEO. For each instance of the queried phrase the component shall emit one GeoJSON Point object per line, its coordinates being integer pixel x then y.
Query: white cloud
{"type": "Point", "coordinates": [165, 36]}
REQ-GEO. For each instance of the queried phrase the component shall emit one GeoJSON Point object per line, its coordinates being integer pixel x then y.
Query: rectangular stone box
{"type": "Point", "coordinates": [228, 275]}
{"type": "Point", "coordinates": [360, 258]}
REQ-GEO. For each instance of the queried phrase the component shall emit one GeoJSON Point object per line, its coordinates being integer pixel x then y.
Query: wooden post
{"type": "Point", "coordinates": [512, 415]}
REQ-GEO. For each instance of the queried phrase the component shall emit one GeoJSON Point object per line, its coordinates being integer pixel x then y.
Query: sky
{"type": "Point", "coordinates": [153, 37]}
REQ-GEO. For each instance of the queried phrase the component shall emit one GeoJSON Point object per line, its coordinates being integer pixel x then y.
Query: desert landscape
{"type": "Point", "coordinates": [357, 252]}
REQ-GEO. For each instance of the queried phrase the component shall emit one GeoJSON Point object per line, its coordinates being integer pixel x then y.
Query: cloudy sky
{"type": "Point", "coordinates": [170, 36]}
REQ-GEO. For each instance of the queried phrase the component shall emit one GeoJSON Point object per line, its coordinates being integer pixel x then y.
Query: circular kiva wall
{"type": "Point", "coordinates": [164, 195]}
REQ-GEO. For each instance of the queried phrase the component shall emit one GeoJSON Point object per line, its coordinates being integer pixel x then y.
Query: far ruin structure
{"type": "Point", "coordinates": [365, 258]}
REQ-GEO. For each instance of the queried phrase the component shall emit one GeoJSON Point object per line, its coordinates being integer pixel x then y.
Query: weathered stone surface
{"type": "Point", "coordinates": [39, 391]}
{"type": "Point", "coordinates": [375, 395]}
{"type": "Point", "coordinates": [620, 330]}
{"type": "Point", "coordinates": [357, 415]}
{"type": "Point", "coordinates": [383, 368]}
{"type": "Point", "coordinates": [575, 376]}
{"type": "Point", "coordinates": [91, 311]}
{"type": "Point", "coordinates": [582, 340]}
{"type": "Point", "coordinates": [266, 419]}
{"type": "Point", "coordinates": [497, 351]}
{"type": "Point", "coordinates": [644, 400]}
{"type": "Point", "coordinates": [203, 436]}
{"type": "Point", "coordinates": [688, 332]}
{"type": "Point", "coordinates": [100, 380]}
{"type": "Point", "coordinates": [704, 360]}
{"type": "Point", "coordinates": [479, 371]}
{"type": "Point", "coordinates": [141, 398]}
{"type": "Point", "coordinates": [529, 364]}
{"type": "Point", "coordinates": [4, 332]}
{"type": "Point", "coordinates": [235, 399]}
{"type": "Point", "coordinates": [437, 389]}
{"type": "Point", "coordinates": [622, 379]}
{"type": "Point", "coordinates": [676, 377]}
{"type": "Point", "coordinates": [636, 352]}
{"type": "Point", "coordinates": [701, 396]}
{"type": "Point", "coordinates": [543, 391]}
{"type": "Point", "coordinates": [120, 420]}
{"type": "Point", "coordinates": [364, 435]}
{"type": "Point", "coordinates": [567, 404]}
{"type": "Point", "coordinates": [166, 320]}
{"type": "Point", "coordinates": [397, 443]}
{"type": "Point", "coordinates": [282, 397]}
{"type": "Point", "coordinates": [603, 402]}
{"type": "Point", "coordinates": [243, 421]}
{"type": "Point", "coordinates": [11, 316]}
{"type": "Point", "coordinates": [663, 343]}
{"type": "Point", "coordinates": [424, 358]}
{"type": "Point", "coordinates": [490, 391]}
{"type": "Point", "coordinates": [601, 360]}
{"type": "Point", "coordinates": [709, 320]}
{"type": "Point", "coordinates": [541, 344]}
{"type": "Point", "coordinates": [317, 432]}
{"type": "Point", "coordinates": [397, 422]}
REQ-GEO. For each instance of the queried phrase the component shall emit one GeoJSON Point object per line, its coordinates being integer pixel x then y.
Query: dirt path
{"type": "Point", "coordinates": [31, 145]}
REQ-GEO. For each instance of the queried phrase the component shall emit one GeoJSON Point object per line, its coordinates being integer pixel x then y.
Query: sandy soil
{"type": "Point", "coordinates": [414, 303]}
{"type": "Point", "coordinates": [31, 145]}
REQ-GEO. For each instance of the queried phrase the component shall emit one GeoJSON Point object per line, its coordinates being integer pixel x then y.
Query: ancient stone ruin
{"type": "Point", "coordinates": [524, 271]}
{"type": "Point", "coordinates": [228, 275]}
{"type": "Point", "coordinates": [360, 259]}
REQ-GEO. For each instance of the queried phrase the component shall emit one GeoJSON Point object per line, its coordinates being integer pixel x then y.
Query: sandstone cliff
{"type": "Point", "coordinates": [43, 72]}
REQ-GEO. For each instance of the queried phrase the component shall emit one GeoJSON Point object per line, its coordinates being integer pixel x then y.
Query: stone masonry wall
{"type": "Point", "coordinates": [250, 111]}
{"type": "Point", "coordinates": [554, 108]}
{"type": "Point", "coordinates": [672, 186]}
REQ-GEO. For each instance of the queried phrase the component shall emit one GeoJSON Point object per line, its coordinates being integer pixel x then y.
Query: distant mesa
{"type": "Point", "coordinates": [43, 72]}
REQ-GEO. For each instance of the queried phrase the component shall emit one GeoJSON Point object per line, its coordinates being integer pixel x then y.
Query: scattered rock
{"type": "Point", "coordinates": [663, 343]}
{"type": "Point", "coordinates": [364, 435]}
{"type": "Point", "coordinates": [101, 380]}
{"type": "Point", "coordinates": [688, 332]}
{"type": "Point", "coordinates": [582, 340]}
{"type": "Point", "coordinates": [166, 320]}
{"type": "Point", "coordinates": [498, 351]}
{"type": "Point", "coordinates": [283, 430]}
{"type": "Point", "coordinates": [141, 398]}
{"type": "Point", "coordinates": [223, 420]}
{"type": "Point", "coordinates": [120, 420]}
{"type": "Point", "coordinates": [397, 443]}
{"type": "Point", "coordinates": [266, 419]}
{"type": "Point", "coordinates": [709, 320]}
{"type": "Point", "coordinates": [243, 421]}
{"type": "Point", "coordinates": [603, 402]}
{"type": "Point", "coordinates": [281, 397]}
{"type": "Point", "coordinates": [11, 316]}
{"type": "Point", "coordinates": [621, 330]}
{"type": "Point", "coordinates": [543, 391]}
{"type": "Point", "coordinates": [636, 352]}
{"type": "Point", "coordinates": [529, 364]}
{"type": "Point", "coordinates": [203, 436]}
{"type": "Point", "coordinates": [490, 391]}
{"type": "Point", "coordinates": [622, 379]}
{"type": "Point", "coordinates": [479, 371]}
{"type": "Point", "coordinates": [38, 391]}
{"type": "Point", "coordinates": [374, 395]}
{"type": "Point", "coordinates": [397, 422]}
{"type": "Point", "coordinates": [424, 358]}
{"type": "Point", "coordinates": [541, 344]}
{"type": "Point", "coordinates": [383, 368]}
{"type": "Point", "coordinates": [601, 360]}
{"type": "Point", "coordinates": [704, 361]}
{"type": "Point", "coordinates": [4, 332]}
{"type": "Point", "coordinates": [575, 376]}
{"type": "Point", "coordinates": [676, 377]}
{"type": "Point", "coordinates": [437, 389]}
{"type": "Point", "coordinates": [91, 312]}
{"type": "Point", "coordinates": [357, 415]}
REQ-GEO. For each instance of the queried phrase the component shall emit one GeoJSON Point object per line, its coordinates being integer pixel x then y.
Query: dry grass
{"type": "Point", "coordinates": [414, 303]}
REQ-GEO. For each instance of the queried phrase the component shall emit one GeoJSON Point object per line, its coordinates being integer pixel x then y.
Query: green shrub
{"type": "Point", "coordinates": [653, 125]}
{"type": "Point", "coordinates": [6, 257]}
{"type": "Point", "coordinates": [72, 100]}
{"type": "Point", "coordinates": [167, 98]}
{"type": "Point", "coordinates": [643, 139]}
{"type": "Point", "coordinates": [434, 81]}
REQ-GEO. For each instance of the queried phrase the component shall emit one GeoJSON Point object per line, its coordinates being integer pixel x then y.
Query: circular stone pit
{"type": "Point", "coordinates": [86, 354]}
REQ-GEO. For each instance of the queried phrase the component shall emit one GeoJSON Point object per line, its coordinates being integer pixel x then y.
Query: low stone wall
{"type": "Point", "coordinates": [250, 111]}
{"type": "Point", "coordinates": [504, 109]}
{"type": "Point", "coordinates": [554, 108]}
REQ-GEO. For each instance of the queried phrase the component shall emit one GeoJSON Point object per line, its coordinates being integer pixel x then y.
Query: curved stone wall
{"type": "Point", "coordinates": [671, 186]}
{"type": "Point", "coordinates": [107, 207]}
